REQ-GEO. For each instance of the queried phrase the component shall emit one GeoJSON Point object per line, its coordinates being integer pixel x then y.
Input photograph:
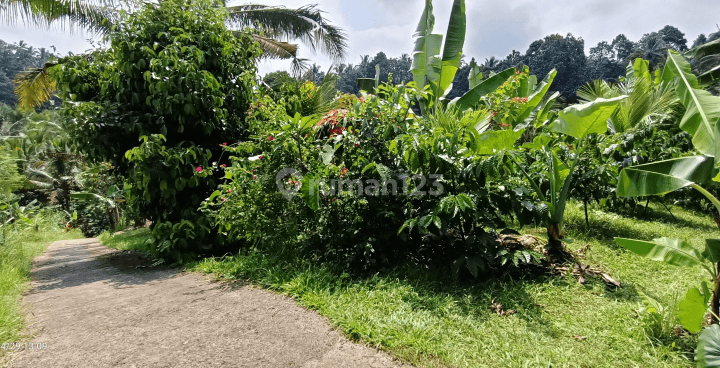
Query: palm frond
{"type": "Point", "coordinates": [597, 89]}
{"type": "Point", "coordinates": [91, 16]}
{"type": "Point", "coordinates": [305, 24]}
{"type": "Point", "coordinates": [273, 49]}
{"type": "Point", "coordinates": [34, 86]}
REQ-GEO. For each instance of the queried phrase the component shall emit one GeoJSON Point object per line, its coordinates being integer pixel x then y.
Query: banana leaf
{"type": "Point", "coordinates": [420, 52]}
{"type": "Point", "coordinates": [702, 109]}
{"type": "Point", "coordinates": [580, 120]}
{"type": "Point", "coordinates": [492, 141]}
{"type": "Point", "coordinates": [676, 252]}
{"type": "Point", "coordinates": [471, 97]}
{"type": "Point", "coordinates": [665, 176]}
{"type": "Point", "coordinates": [537, 96]}
{"type": "Point", "coordinates": [452, 50]}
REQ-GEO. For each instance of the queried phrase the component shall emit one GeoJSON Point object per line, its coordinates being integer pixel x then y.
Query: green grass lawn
{"type": "Point", "coordinates": [430, 323]}
{"type": "Point", "coordinates": [16, 254]}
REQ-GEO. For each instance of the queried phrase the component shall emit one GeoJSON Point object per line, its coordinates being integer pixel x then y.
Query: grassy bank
{"type": "Point", "coordinates": [19, 245]}
{"type": "Point", "coordinates": [434, 323]}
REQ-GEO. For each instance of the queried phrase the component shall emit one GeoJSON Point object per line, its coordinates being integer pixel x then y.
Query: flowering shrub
{"type": "Point", "coordinates": [357, 231]}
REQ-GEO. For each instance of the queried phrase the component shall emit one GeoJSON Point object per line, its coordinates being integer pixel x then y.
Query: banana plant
{"type": "Point", "coordinates": [578, 122]}
{"type": "Point", "coordinates": [429, 66]}
{"type": "Point", "coordinates": [701, 118]}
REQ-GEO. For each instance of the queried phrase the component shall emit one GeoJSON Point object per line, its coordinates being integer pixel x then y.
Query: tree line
{"type": "Point", "coordinates": [606, 61]}
{"type": "Point", "coordinates": [566, 54]}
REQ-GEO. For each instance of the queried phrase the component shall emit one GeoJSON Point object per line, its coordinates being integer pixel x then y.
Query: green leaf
{"type": "Point", "coordinates": [213, 195]}
{"type": "Point", "coordinates": [366, 84]}
{"type": "Point", "coordinates": [412, 158]}
{"type": "Point", "coordinates": [473, 96]}
{"type": "Point", "coordinates": [664, 176]}
{"type": "Point", "coordinates": [310, 191]}
{"type": "Point", "coordinates": [327, 154]}
{"type": "Point", "coordinates": [420, 51]}
{"type": "Point", "coordinates": [702, 110]}
{"type": "Point", "coordinates": [707, 353]}
{"type": "Point", "coordinates": [494, 141]}
{"type": "Point", "coordinates": [475, 76]}
{"type": "Point", "coordinates": [580, 120]}
{"type": "Point", "coordinates": [454, 41]}
{"type": "Point", "coordinates": [691, 310]}
{"type": "Point", "coordinates": [712, 250]}
{"type": "Point", "coordinates": [710, 48]}
{"type": "Point", "coordinates": [537, 96]}
{"type": "Point", "coordinates": [669, 250]}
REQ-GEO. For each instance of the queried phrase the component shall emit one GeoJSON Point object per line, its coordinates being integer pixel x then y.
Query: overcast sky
{"type": "Point", "coordinates": [494, 27]}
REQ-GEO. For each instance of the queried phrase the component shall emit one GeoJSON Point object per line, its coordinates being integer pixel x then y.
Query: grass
{"type": "Point", "coordinates": [559, 322]}
{"type": "Point", "coordinates": [17, 249]}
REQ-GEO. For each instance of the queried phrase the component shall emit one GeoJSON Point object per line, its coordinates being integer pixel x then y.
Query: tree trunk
{"type": "Point", "coordinates": [555, 249]}
{"type": "Point", "coordinates": [587, 221]}
{"type": "Point", "coordinates": [715, 301]}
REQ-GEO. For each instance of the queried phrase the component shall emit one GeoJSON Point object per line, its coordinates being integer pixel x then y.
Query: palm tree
{"type": "Point", "coordinates": [273, 23]}
{"type": "Point", "coordinates": [650, 99]}
{"type": "Point", "coordinates": [653, 48]}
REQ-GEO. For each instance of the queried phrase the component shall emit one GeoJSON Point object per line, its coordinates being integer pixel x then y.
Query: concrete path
{"type": "Point", "coordinates": [98, 307]}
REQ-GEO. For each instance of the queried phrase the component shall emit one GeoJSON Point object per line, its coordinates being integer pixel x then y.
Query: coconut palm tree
{"type": "Point", "coordinates": [274, 24]}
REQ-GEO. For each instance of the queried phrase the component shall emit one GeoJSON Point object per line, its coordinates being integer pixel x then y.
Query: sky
{"type": "Point", "coordinates": [494, 27]}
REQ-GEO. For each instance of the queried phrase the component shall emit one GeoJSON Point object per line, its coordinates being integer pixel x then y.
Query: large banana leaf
{"type": "Point", "coordinates": [452, 50]}
{"type": "Point", "coordinates": [580, 120]}
{"type": "Point", "coordinates": [90, 197]}
{"type": "Point", "coordinates": [420, 53]}
{"type": "Point", "coordinates": [710, 48]}
{"type": "Point", "coordinates": [702, 109]}
{"type": "Point", "coordinates": [492, 141]}
{"type": "Point", "coordinates": [676, 252]}
{"type": "Point", "coordinates": [537, 96]}
{"type": "Point", "coordinates": [475, 76]}
{"type": "Point", "coordinates": [665, 176]}
{"type": "Point", "coordinates": [471, 97]}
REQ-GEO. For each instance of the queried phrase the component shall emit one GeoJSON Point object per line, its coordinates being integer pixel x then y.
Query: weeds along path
{"type": "Point", "coordinates": [98, 307]}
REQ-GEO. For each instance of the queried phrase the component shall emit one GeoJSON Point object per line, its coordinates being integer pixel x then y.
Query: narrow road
{"type": "Point", "coordinates": [98, 307]}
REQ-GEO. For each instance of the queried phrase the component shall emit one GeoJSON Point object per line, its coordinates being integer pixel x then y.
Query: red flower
{"type": "Point", "coordinates": [344, 171]}
{"type": "Point", "coordinates": [334, 199]}
{"type": "Point", "coordinates": [224, 199]}
{"type": "Point", "coordinates": [229, 190]}
{"type": "Point", "coordinates": [260, 158]}
{"type": "Point", "coordinates": [223, 166]}
{"type": "Point", "coordinates": [270, 138]}
{"type": "Point", "coordinates": [198, 169]}
{"type": "Point", "coordinates": [224, 144]}
{"type": "Point", "coordinates": [254, 176]}
{"type": "Point", "coordinates": [357, 144]}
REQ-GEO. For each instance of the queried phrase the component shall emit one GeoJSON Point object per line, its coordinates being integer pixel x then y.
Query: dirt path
{"type": "Point", "coordinates": [97, 307]}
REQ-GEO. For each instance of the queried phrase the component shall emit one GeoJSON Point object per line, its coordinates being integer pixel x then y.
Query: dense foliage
{"type": "Point", "coordinates": [173, 87]}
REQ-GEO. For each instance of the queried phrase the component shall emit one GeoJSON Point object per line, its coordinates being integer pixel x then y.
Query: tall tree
{"type": "Point", "coordinates": [305, 24]}
{"type": "Point", "coordinates": [566, 54]}
{"type": "Point", "coordinates": [700, 40]}
{"type": "Point", "coordinates": [623, 47]}
{"type": "Point", "coordinates": [673, 38]}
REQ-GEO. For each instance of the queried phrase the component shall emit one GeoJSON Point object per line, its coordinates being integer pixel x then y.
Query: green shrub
{"type": "Point", "coordinates": [179, 81]}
